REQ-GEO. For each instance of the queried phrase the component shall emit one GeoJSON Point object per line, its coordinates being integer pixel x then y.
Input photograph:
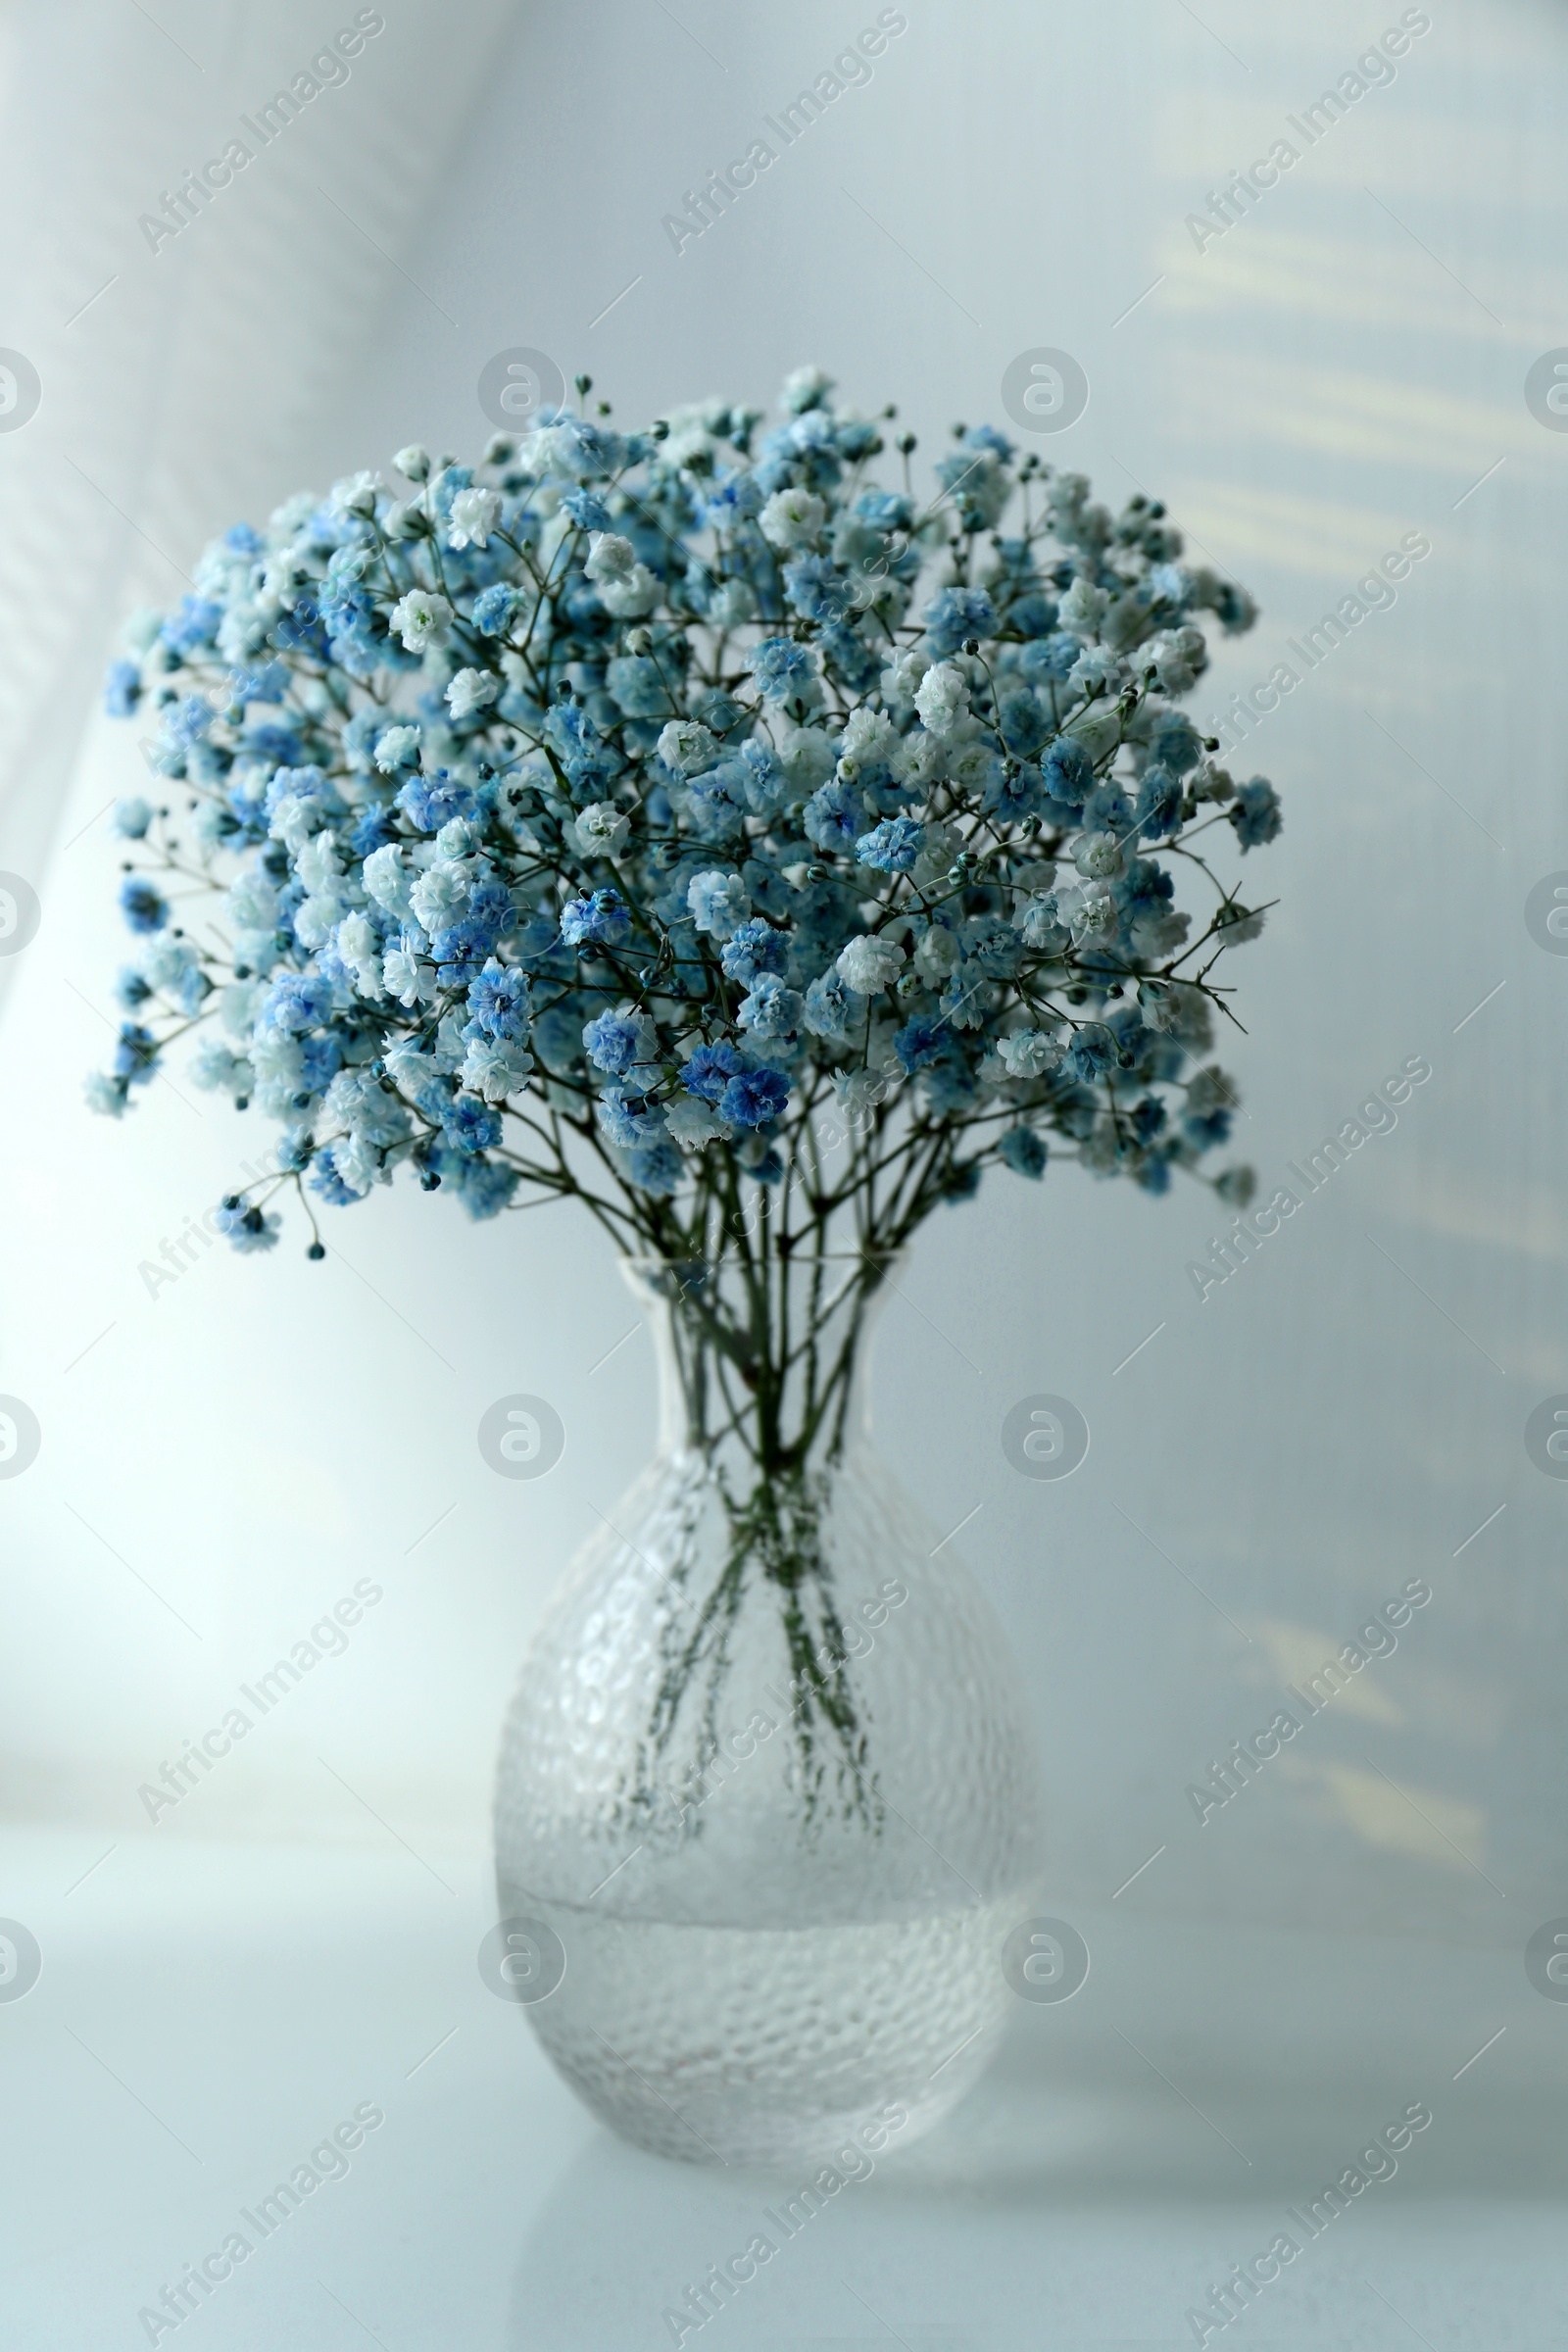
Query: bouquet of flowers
{"type": "Point", "coordinates": [632, 817]}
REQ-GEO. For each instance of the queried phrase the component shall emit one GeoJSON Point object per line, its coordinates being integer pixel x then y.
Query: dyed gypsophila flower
{"type": "Point", "coordinates": [857, 861]}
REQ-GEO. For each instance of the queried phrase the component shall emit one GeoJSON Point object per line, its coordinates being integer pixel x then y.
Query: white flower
{"type": "Point", "coordinates": [470, 690]}
{"type": "Point", "coordinates": [717, 901]}
{"type": "Point", "coordinates": [1029, 1054]}
{"type": "Point", "coordinates": [355, 493]}
{"type": "Point", "coordinates": [903, 675]}
{"type": "Point", "coordinates": [803, 387]}
{"type": "Point", "coordinates": [868, 965]}
{"type": "Point", "coordinates": [610, 557]}
{"type": "Point", "coordinates": [407, 1064]}
{"type": "Point", "coordinates": [1157, 936]}
{"type": "Point", "coordinates": [314, 921]}
{"type": "Point", "coordinates": [214, 1066]}
{"type": "Point", "coordinates": [937, 954]}
{"type": "Point", "coordinates": [1036, 920]}
{"type": "Point", "coordinates": [359, 1163]}
{"type": "Point", "coordinates": [806, 756]}
{"type": "Point", "coordinates": [1090, 910]}
{"type": "Point", "coordinates": [474, 516]}
{"type": "Point", "coordinates": [422, 619]}
{"type": "Point", "coordinates": [252, 903]}
{"type": "Point", "coordinates": [238, 1004]}
{"type": "Point", "coordinates": [396, 748]}
{"type": "Point", "coordinates": [495, 1067]}
{"type": "Point", "coordinates": [860, 1091]}
{"type": "Point", "coordinates": [868, 737]}
{"type": "Point", "coordinates": [687, 747]}
{"type": "Point", "coordinates": [793, 518]}
{"type": "Point", "coordinates": [1083, 608]}
{"type": "Point", "coordinates": [600, 829]}
{"type": "Point", "coordinates": [405, 977]}
{"type": "Point", "coordinates": [360, 948]}
{"type": "Point", "coordinates": [692, 1123]}
{"type": "Point", "coordinates": [440, 893]}
{"type": "Point", "coordinates": [943, 698]}
{"type": "Point", "coordinates": [293, 822]}
{"type": "Point", "coordinates": [692, 427]}
{"type": "Point", "coordinates": [1098, 855]}
{"type": "Point", "coordinates": [937, 850]}
{"type": "Point", "coordinates": [1094, 669]}
{"type": "Point", "coordinates": [317, 865]}
{"type": "Point", "coordinates": [459, 837]}
{"type": "Point", "coordinates": [731, 605]}
{"type": "Point", "coordinates": [631, 597]}
{"type": "Point", "coordinates": [388, 881]}
{"type": "Point", "coordinates": [1179, 657]}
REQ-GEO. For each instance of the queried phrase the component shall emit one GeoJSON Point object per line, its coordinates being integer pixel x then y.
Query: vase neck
{"type": "Point", "coordinates": [762, 1362]}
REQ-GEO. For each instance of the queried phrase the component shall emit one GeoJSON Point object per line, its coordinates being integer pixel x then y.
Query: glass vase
{"type": "Point", "coordinates": [767, 1804]}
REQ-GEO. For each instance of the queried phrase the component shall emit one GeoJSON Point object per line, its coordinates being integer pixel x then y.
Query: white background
{"type": "Point", "coordinates": [223, 1460]}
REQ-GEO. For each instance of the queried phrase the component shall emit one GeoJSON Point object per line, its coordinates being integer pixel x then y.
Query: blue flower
{"type": "Point", "coordinates": [781, 669]}
{"type": "Point", "coordinates": [1094, 1050]}
{"type": "Point", "coordinates": [753, 1098]}
{"type": "Point", "coordinates": [618, 1042]}
{"type": "Point", "coordinates": [957, 613]}
{"type": "Point", "coordinates": [325, 1180]}
{"type": "Point", "coordinates": [249, 1228]}
{"type": "Point", "coordinates": [635, 683]}
{"type": "Point", "coordinates": [816, 588]}
{"type": "Point", "coordinates": [472, 1125]}
{"type": "Point", "coordinates": [132, 819]}
{"type": "Point", "coordinates": [893, 846]}
{"type": "Point", "coordinates": [588, 513]}
{"type": "Point", "coordinates": [836, 815]}
{"type": "Point", "coordinates": [135, 1054]}
{"type": "Point", "coordinates": [708, 1071]}
{"type": "Point", "coordinates": [831, 1007]}
{"type": "Point", "coordinates": [1023, 1152]}
{"type": "Point", "coordinates": [122, 690]}
{"type": "Point", "coordinates": [193, 623]}
{"type": "Point", "coordinates": [498, 1003]}
{"type": "Point", "coordinates": [1207, 1128]}
{"type": "Point", "coordinates": [431, 802]}
{"type": "Point", "coordinates": [1175, 743]}
{"type": "Point", "coordinates": [371, 832]}
{"type": "Point", "coordinates": [918, 1043]}
{"type": "Point", "coordinates": [483, 1185]}
{"type": "Point", "coordinates": [1045, 664]}
{"type": "Point", "coordinates": [495, 610]}
{"type": "Point", "coordinates": [1255, 813]}
{"type": "Point", "coordinates": [1069, 772]}
{"type": "Point", "coordinates": [298, 1002]}
{"type": "Point", "coordinates": [657, 1168]}
{"type": "Point", "coordinates": [142, 907]}
{"type": "Point", "coordinates": [629, 1120]}
{"type": "Point", "coordinates": [1158, 807]}
{"type": "Point", "coordinates": [771, 1010]}
{"type": "Point", "coordinates": [603, 919]}
{"type": "Point", "coordinates": [756, 948]}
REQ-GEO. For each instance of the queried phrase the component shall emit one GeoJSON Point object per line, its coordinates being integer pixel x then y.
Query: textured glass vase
{"type": "Point", "coordinates": [767, 1805]}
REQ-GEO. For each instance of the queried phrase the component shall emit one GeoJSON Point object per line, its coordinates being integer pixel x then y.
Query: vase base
{"type": "Point", "coordinates": [766, 2045]}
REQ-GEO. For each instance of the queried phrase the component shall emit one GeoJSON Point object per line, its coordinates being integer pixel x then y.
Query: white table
{"type": "Point", "coordinates": [207, 2014]}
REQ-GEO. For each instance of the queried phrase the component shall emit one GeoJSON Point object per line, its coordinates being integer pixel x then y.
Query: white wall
{"type": "Point", "coordinates": [1339, 368]}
